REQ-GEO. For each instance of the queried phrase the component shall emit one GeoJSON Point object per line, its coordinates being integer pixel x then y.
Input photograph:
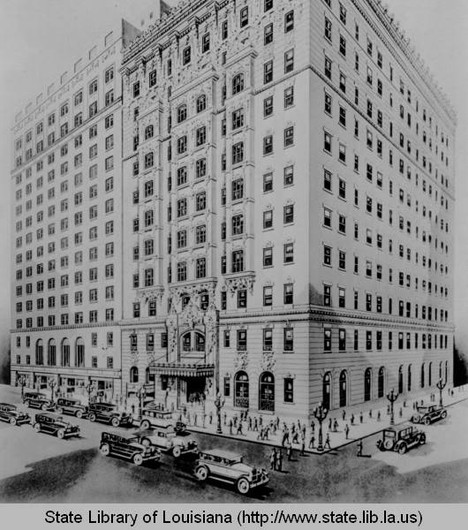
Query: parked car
{"type": "Point", "coordinates": [400, 440]}
{"type": "Point", "coordinates": [229, 467]}
{"type": "Point", "coordinates": [166, 439]}
{"type": "Point", "coordinates": [70, 406]}
{"type": "Point", "coordinates": [56, 425]}
{"type": "Point", "coordinates": [429, 414]}
{"type": "Point", "coordinates": [108, 413]}
{"type": "Point", "coordinates": [156, 417]}
{"type": "Point", "coordinates": [38, 400]}
{"type": "Point", "coordinates": [12, 415]}
{"type": "Point", "coordinates": [129, 447]}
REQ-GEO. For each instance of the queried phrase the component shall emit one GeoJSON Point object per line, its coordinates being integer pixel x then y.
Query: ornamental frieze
{"type": "Point", "coordinates": [241, 360]}
{"type": "Point", "coordinates": [240, 282]}
{"type": "Point", "coordinates": [268, 361]}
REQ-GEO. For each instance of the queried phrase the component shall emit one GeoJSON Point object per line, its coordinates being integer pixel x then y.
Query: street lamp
{"type": "Point", "coordinates": [440, 385]}
{"type": "Point", "coordinates": [392, 398]}
{"type": "Point", "coordinates": [22, 383]}
{"type": "Point", "coordinates": [52, 385]}
{"type": "Point", "coordinates": [141, 393]}
{"type": "Point", "coordinates": [89, 388]}
{"type": "Point", "coordinates": [320, 414]}
{"type": "Point", "coordinates": [219, 404]}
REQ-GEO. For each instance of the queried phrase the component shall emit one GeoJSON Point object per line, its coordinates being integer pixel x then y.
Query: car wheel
{"type": "Point", "coordinates": [79, 413]}
{"type": "Point", "coordinates": [388, 445]}
{"type": "Point", "coordinates": [402, 449]}
{"type": "Point", "coordinates": [115, 422]}
{"type": "Point", "coordinates": [37, 427]}
{"type": "Point", "coordinates": [243, 486]}
{"type": "Point", "coordinates": [105, 450]}
{"type": "Point", "coordinates": [443, 414]}
{"type": "Point", "coordinates": [59, 410]}
{"type": "Point", "coordinates": [422, 439]}
{"type": "Point", "coordinates": [145, 424]}
{"type": "Point", "coordinates": [176, 451]}
{"type": "Point", "coordinates": [92, 417]}
{"type": "Point", "coordinates": [61, 433]}
{"type": "Point", "coordinates": [427, 421]}
{"type": "Point", "coordinates": [202, 473]}
{"type": "Point", "coordinates": [12, 421]}
{"type": "Point", "coordinates": [138, 459]}
{"type": "Point", "coordinates": [45, 406]}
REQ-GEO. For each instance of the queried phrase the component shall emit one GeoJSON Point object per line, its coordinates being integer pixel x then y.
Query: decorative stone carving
{"type": "Point", "coordinates": [268, 361]}
{"type": "Point", "coordinates": [150, 295]}
{"type": "Point", "coordinates": [211, 332]}
{"type": "Point", "coordinates": [240, 282]}
{"type": "Point", "coordinates": [242, 360]}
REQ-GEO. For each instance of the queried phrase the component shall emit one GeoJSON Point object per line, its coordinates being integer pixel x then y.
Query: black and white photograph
{"type": "Point", "coordinates": [233, 266]}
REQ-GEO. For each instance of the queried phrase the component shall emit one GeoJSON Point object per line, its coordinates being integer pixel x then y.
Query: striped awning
{"type": "Point", "coordinates": [182, 369]}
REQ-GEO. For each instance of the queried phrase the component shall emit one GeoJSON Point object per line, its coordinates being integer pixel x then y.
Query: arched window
{"type": "Point", "coordinates": [51, 353]}
{"type": "Point", "coordinates": [237, 83]}
{"type": "Point", "coordinates": [326, 390]}
{"type": "Point", "coordinates": [343, 388]}
{"type": "Point", "coordinates": [133, 374]}
{"type": "Point", "coordinates": [266, 392]}
{"type": "Point", "coordinates": [409, 378]}
{"type": "Point", "coordinates": [193, 340]}
{"type": "Point", "coordinates": [149, 377]}
{"type": "Point", "coordinates": [400, 380]}
{"type": "Point", "coordinates": [201, 103]}
{"type": "Point", "coordinates": [181, 113]}
{"type": "Point", "coordinates": [39, 352]}
{"type": "Point", "coordinates": [65, 353]}
{"type": "Point", "coordinates": [367, 384]}
{"type": "Point", "coordinates": [241, 390]}
{"type": "Point", "coordinates": [79, 352]}
{"type": "Point", "coordinates": [149, 132]}
{"type": "Point", "coordinates": [381, 382]}
{"type": "Point", "coordinates": [422, 378]}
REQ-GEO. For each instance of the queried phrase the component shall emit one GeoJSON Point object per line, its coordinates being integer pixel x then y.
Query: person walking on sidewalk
{"type": "Point", "coordinates": [335, 425]}
{"type": "Point", "coordinates": [312, 426]}
{"type": "Point", "coordinates": [344, 415]}
{"type": "Point", "coordinates": [231, 424]}
{"type": "Point", "coordinates": [303, 443]}
{"type": "Point", "coordinates": [312, 442]}
{"type": "Point", "coordinates": [346, 430]}
{"type": "Point", "coordinates": [327, 441]}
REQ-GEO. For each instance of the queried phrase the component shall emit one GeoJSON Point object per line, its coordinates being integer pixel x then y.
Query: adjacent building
{"type": "Point", "coordinates": [286, 209]}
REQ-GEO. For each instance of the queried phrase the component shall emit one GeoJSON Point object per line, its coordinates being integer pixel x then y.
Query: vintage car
{"type": "Point", "coordinates": [37, 400]}
{"type": "Point", "coordinates": [108, 413]}
{"type": "Point", "coordinates": [400, 440]}
{"type": "Point", "coordinates": [228, 467]}
{"type": "Point", "coordinates": [166, 439]}
{"type": "Point", "coordinates": [74, 407]}
{"type": "Point", "coordinates": [429, 414]}
{"type": "Point", "coordinates": [128, 446]}
{"type": "Point", "coordinates": [12, 415]}
{"type": "Point", "coordinates": [56, 425]}
{"type": "Point", "coordinates": [152, 416]}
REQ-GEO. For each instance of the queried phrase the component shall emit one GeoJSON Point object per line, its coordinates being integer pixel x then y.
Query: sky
{"type": "Point", "coordinates": [43, 38]}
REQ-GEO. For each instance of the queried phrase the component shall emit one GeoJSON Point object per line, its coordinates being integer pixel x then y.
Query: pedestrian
{"type": "Point", "coordinates": [273, 458]}
{"type": "Point", "coordinates": [211, 417]}
{"type": "Point", "coordinates": [231, 424]}
{"type": "Point", "coordinates": [378, 415]}
{"type": "Point", "coordinates": [279, 460]}
{"type": "Point", "coordinates": [312, 426]}
{"type": "Point", "coordinates": [346, 430]}
{"type": "Point", "coordinates": [401, 412]}
{"type": "Point", "coordinates": [327, 441]}
{"type": "Point", "coordinates": [235, 421]}
{"type": "Point", "coordinates": [225, 418]}
{"type": "Point", "coordinates": [249, 425]}
{"type": "Point", "coordinates": [370, 413]}
{"type": "Point", "coordinates": [239, 428]}
{"type": "Point", "coordinates": [330, 424]}
{"type": "Point", "coordinates": [255, 428]}
{"type": "Point", "coordinates": [361, 417]}
{"type": "Point", "coordinates": [344, 415]}
{"type": "Point", "coordinates": [312, 442]}
{"type": "Point", "coordinates": [352, 419]}
{"type": "Point", "coordinates": [335, 425]}
{"type": "Point", "coordinates": [304, 431]}
{"type": "Point", "coordinates": [266, 432]}
{"type": "Point", "coordinates": [260, 434]}
{"type": "Point", "coordinates": [303, 445]}
{"type": "Point", "coordinates": [285, 436]}
{"type": "Point", "coordinates": [189, 419]}
{"type": "Point", "coordinates": [260, 421]}
{"type": "Point", "coordinates": [195, 419]}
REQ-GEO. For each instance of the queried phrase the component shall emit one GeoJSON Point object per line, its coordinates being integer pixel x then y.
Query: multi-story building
{"type": "Point", "coordinates": [67, 237]}
{"type": "Point", "coordinates": [289, 172]}
{"type": "Point", "coordinates": [287, 205]}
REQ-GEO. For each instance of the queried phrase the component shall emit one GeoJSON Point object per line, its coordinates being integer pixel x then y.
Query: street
{"type": "Point", "coordinates": [41, 468]}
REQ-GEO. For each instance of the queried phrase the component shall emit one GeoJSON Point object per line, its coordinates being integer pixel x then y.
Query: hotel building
{"type": "Point", "coordinates": [287, 210]}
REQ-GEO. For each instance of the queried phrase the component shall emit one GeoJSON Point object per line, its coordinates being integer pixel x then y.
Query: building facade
{"type": "Point", "coordinates": [287, 208]}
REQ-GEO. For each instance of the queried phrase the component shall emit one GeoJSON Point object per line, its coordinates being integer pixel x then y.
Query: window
{"type": "Point", "coordinates": [186, 55]}
{"type": "Point", "coordinates": [288, 97]}
{"type": "Point", "coordinates": [205, 42]}
{"type": "Point", "coordinates": [328, 68]}
{"type": "Point", "coordinates": [268, 34]}
{"type": "Point", "coordinates": [238, 119]}
{"type": "Point", "coordinates": [289, 136]}
{"type": "Point", "coordinates": [327, 142]}
{"type": "Point", "coordinates": [238, 261]}
{"type": "Point", "coordinates": [201, 103]}
{"type": "Point", "coordinates": [288, 214]}
{"type": "Point", "coordinates": [268, 296]}
{"type": "Point", "coordinates": [289, 21]}
{"type": "Point", "coordinates": [238, 153]}
{"type": "Point", "coordinates": [288, 253]}
{"type": "Point", "coordinates": [268, 219]}
{"type": "Point", "coordinates": [268, 106]}
{"type": "Point", "coordinates": [181, 113]}
{"type": "Point", "coordinates": [289, 61]}
{"type": "Point", "coordinates": [244, 17]}
{"type": "Point", "coordinates": [237, 84]}
{"type": "Point", "coordinates": [268, 145]}
{"type": "Point", "coordinates": [182, 144]}
{"type": "Point", "coordinates": [268, 72]}
{"type": "Point", "coordinates": [268, 257]}
{"type": "Point", "coordinates": [200, 136]}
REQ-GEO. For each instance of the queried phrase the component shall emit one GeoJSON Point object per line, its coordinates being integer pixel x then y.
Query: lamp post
{"type": "Point", "coordinates": [440, 385]}
{"type": "Point", "coordinates": [219, 404]}
{"type": "Point", "coordinates": [89, 388]}
{"type": "Point", "coordinates": [392, 397]}
{"type": "Point", "coordinates": [22, 384]}
{"type": "Point", "coordinates": [52, 384]}
{"type": "Point", "coordinates": [141, 393]}
{"type": "Point", "coordinates": [320, 414]}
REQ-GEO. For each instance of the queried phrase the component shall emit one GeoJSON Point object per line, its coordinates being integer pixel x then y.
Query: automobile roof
{"type": "Point", "coordinates": [8, 405]}
{"type": "Point", "coordinates": [221, 453]}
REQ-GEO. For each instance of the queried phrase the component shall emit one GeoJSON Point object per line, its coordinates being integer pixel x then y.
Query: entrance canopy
{"type": "Point", "coordinates": [183, 369]}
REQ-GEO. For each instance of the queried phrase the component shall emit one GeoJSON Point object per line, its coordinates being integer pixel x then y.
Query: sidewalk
{"type": "Point", "coordinates": [370, 424]}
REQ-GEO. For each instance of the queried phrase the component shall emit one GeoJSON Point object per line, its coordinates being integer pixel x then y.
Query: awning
{"type": "Point", "coordinates": [183, 370]}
